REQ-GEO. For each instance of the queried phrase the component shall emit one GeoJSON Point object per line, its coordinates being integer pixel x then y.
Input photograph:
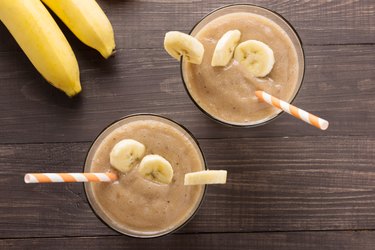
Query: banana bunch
{"type": "Point", "coordinates": [128, 153]}
{"type": "Point", "coordinates": [255, 56]}
{"type": "Point", "coordinates": [45, 45]}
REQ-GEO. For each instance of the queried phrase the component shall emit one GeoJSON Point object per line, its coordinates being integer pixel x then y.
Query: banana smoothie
{"type": "Point", "coordinates": [138, 204]}
{"type": "Point", "coordinates": [227, 92]}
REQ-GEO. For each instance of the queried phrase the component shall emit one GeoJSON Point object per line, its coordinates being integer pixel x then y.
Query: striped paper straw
{"type": "Point", "coordinates": [293, 110]}
{"type": "Point", "coordinates": [70, 177]}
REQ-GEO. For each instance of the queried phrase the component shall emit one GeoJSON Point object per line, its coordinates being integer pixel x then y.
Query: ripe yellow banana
{"type": "Point", "coordinates": [43, 42]}
{"type": "Point", "coordinates": [87, 21]}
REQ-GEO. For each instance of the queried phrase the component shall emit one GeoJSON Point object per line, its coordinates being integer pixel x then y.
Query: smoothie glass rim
{"type": "Point", "coordinates": [133, 234]}
{"type": "Point", "coordinates": [303, 69]}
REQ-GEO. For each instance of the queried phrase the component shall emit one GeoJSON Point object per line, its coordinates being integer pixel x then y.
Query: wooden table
{"type": "Point", "coordinates": [290, 186]}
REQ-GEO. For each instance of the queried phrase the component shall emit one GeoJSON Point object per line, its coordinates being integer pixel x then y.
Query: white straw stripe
{"type": "Point", "coordinates": [285, 106]}
{"type": "Point", "coordinates": [79, 177]}
{"type": "Point", "coordinates": [267, 98]}
{"type": "Point", "coordinates": [103, 177]}
{"type": "Point", "coordinates": [54, 177]}
{"type": "Point", "coordinates": [323, 123]}
{"type": "Point", "coordinates": [29, 178]}
{"type": "Point", "coordinates": [304, 115]}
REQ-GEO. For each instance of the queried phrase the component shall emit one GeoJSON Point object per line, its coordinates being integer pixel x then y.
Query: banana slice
{"type": "Point", "coordinates": [156, 168]}
{"type": "Point", "coordinates": [178, 44]}
{"type": "Point", "coordinates": [206, 177]}
{"type": "Point", "coordinates": [256, 56]}
{"type": "Point", "coordinates": [125, 154]}
{"type": "Point", "coordinates": [225, 48]}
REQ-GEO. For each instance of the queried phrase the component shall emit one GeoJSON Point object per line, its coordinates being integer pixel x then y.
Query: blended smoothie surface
{"type": "Point", "coordinates": [228, 93]}
{"type": "Point", "coordinates": [137, 205]}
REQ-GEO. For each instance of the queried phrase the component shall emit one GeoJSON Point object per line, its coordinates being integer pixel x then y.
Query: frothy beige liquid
{"type": "Point", "coordinates": [228, 93]}
{"type": "Point", "coordinates": [139, 205]}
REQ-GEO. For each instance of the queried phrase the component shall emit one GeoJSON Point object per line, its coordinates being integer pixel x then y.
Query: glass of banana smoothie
{"type": "Point", "coordinates": [226, 93]}
{"type": "Point", "coordinates": [136, 205]}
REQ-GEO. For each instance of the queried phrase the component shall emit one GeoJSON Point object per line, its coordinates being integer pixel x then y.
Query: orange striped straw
{"type": "Point", "coordinates": [70, 177]}
{"type": "Point", "coordinates": [292, 110]}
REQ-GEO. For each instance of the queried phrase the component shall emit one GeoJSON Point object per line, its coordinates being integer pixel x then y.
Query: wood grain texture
{"type": "Point", "coordinates": [339, 86]}
{"type": "Point", "coordinates": [252, 241]}
{"type": "Point", "coordinates": [274, 184]}
{"type": "Point", "coordinates": [142, 24]}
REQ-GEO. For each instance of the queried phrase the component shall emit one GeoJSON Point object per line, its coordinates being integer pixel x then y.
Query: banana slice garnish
{"type": "Point", "coordinates": [178, 44]}
{"type": "Point", "coordinates": [256, 56]}
{"type": "Point", "coordinates": [156, 168]}
{"type": "Point", "coordinates": [225, 48]}
{"type": "Point", "coordinates": [206, 177]}
{"type": "Point", "coordinates": [125, 154]}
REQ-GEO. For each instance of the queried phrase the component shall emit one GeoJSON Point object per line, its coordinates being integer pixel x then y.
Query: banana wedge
{"type": "Point", "coordinates": [125, 154]}
{"type": "Point", "coordinates": [256, 56]}
{"type": "Point", "coordinates": [156, 168]}
{"type": "Point", "coordinates": [224, 49]}
{"type": "Point", "coordinates": [87, 21]}
{"type": "Point", "coordinates": [206, 177]}
{"type": "Point", "coordinates": [178, 44]}
{"type": "Point", "coordinates": [37, 33]}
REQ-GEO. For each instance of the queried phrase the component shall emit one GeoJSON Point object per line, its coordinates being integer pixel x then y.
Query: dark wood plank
{"type": "Point", "coordinates": [258, 241]}
{"type": "Point", "coordinates": [317, 22]}
{"type": "Point", "coordinates": [142, 24]}
{"type": "Point", "coordinates": [275, 184]}
{"type": "Point", "coordinates": [339, 86]}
